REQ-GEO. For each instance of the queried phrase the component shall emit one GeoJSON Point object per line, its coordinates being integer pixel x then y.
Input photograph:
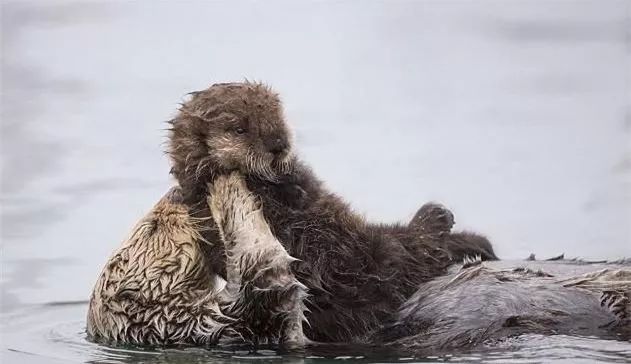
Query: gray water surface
{"type": "Point", "coordinates": [515, 114]}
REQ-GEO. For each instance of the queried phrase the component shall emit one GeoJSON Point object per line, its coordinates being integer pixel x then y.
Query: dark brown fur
{"type": "Point", "coordinates": [436, 220]}
{"type": "Point", "coordinates": [358, 274]}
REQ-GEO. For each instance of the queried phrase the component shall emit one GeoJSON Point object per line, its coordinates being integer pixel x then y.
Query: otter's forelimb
{"type": "Point", "coordinates": [267, 296]}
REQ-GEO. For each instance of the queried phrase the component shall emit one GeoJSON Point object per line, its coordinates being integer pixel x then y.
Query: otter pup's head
{"type": "Point", "coordinates": [230, 126]}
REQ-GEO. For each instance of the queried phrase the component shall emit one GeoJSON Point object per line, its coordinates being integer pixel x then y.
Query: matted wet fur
{"type": "Point", "coordinates": [483, 305]}
{"type": "Point", "coordinates": [164, 287]}
{"type": "Point", "coordinates": [157, 288]}
{"type": "Point", "coordinates": [357, 273]}
{"type": "Point", "coordinates": [266, 297]}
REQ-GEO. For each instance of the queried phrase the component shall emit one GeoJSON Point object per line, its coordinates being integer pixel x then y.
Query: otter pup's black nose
{"type": "Point", "coordinates": [277, 146]}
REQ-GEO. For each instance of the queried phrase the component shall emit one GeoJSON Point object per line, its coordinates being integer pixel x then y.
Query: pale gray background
{"type": "Point", "coordinates": [513, 113]}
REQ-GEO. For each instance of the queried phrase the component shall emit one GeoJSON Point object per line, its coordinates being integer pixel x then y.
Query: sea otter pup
{"type": "Point", "coordinates": [165, 283]}
{"type": "Point", "coordinates": [357, 273]}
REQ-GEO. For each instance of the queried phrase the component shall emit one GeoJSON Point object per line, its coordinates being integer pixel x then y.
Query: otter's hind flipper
{"type": "Point", "coordinates": [434, 222]}
{"type": "Point", "coordinates": [432, 219]}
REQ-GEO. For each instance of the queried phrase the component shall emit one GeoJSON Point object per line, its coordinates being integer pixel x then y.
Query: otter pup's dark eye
{"type": "Point", "coordinates": [239, 131]}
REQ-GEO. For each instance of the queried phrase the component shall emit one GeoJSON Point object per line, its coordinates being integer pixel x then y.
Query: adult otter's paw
{"type": "Point", "coordinates": [230, 201]}
{"type": "Point", "coordinates": [267, 296]}
{"type": "Point", "coordinates": [432, 218]}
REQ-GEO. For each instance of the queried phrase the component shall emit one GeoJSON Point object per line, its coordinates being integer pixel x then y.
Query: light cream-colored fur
{"type": "Point", "coordinates": [157, 288]}
{"type": "Point", "coordinates": [254, 253]}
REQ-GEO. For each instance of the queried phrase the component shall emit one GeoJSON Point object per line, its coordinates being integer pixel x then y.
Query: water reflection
{"type": "Point", "coordinates": [55, 336]}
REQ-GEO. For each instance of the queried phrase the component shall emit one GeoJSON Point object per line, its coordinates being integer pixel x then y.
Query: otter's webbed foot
{"type": "Point", "coordinates": [432, 219]}
{"type": "Point", "coordinates": [267, 296]}
{"type": "Point", "coordinates": [435, 221]}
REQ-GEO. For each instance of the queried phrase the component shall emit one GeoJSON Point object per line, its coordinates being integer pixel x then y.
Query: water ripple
{"type": "Point", "coordinates": [53, 332]}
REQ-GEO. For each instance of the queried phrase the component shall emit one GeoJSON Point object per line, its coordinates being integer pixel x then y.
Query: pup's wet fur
{"type": "Point", "coordinates": [357, 273]}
